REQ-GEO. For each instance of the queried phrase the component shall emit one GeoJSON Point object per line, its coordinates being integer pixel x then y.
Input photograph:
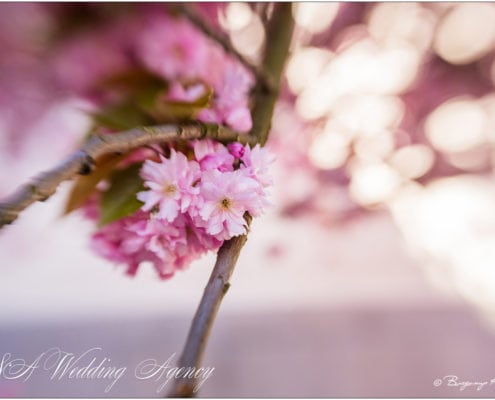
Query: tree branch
{"type": "Point", "coordinates": [268, 78]}
{"type": "Point", "coordinates": [81, 161]}
{"type": "Point", "coordinates": [201, 326]}
{"type": "Point", "coordinates": [279, 34]}
{"type": "Point", "coordinates": [263, 10]}
{"type": "Point", "coordinates": [259, 73]}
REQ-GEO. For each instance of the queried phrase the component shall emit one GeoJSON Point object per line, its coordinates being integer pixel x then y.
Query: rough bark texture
{"type": "Point", "coordinates": [80, 162]}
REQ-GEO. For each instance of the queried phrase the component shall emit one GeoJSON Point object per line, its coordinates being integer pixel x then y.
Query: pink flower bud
{"type": "Point", "coordinates": [236, 149]}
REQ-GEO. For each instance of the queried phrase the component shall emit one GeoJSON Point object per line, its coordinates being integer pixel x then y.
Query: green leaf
{"type": "Point", "coordinates": [120, 199]}
{"type": "Point", "coordinates": [132, 81]}
{"type": "Point", "coordinates": [139, 91]}
{"type": "Point", "coordinates": [168, 110]}
{"type": "Point", "coordinates": [86, 185]}
{"type": "Point", "coordinates": [121, 116]}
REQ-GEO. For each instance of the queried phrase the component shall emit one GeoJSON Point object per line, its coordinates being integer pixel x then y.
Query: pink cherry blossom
{"type": "Point", "coordinates": [84, 61]}
{"type": "Point", "coordinates": [239, 118]}
{"type": "Point", "coordinates": [171, 184]}
{"type": "Point", "coordinates": [227, 196]}
{"type": "Point", "coordinates": [178, 92]}
{"type": "Point", "coordinates": [256, 162]}
{"type": "Point", "coordinates": [172, 47]}
{"type": "Point", "coordinates": [118, 242]}
{"type": "Point", "coordinates": [200, 203]}
{"type": "Point", "coordinates": [168, 244]}
{"type": "Point", "coordinates": [231, 89]}
{"type": "Point", "coordinates": [202, 148]}
{"type": "Point", "coordinates": [165, 45]}
{"type": "Point", "coordinates": [199, 240]}
{"type": "Point", "coordinates": [213, 155]}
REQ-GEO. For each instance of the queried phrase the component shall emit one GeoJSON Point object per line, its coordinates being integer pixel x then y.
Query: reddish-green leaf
{"type": "Point", "coordinates": [120, 199]}
{"type": "Point", "coordinates": [86, 185]}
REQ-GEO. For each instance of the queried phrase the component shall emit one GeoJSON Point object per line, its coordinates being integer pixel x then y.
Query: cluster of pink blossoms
{"type": "Point", "coordinates": [189, 207]}
{"type": "Point", "coordinates": [170, 47]}
{"type": "Point", "coordinates": [163, 66]}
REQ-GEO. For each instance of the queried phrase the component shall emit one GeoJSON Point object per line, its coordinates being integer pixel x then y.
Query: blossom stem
{"type": "Point", "coordinates": [201, 326]}
{"type": "Point", "coordinates": [279, 33]}
{"type": "Point", "coordinates": [81, 161]}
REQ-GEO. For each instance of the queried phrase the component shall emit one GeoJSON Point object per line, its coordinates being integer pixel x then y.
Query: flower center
{"type": "Point", "coordinates": [225, 203]}
{"type": "Point", "coordinates": [170, 189]}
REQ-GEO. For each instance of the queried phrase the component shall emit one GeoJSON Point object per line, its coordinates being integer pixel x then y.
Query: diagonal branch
{"type": "Point", "coordinates": [280, 29]}
{"type": "Point", "coordinates": [263, 10]}
{"type": "Point", "coordinates": [200, 330]}
{"type": "Point", "coordinates": [261, 76]}
{"type": "Point", "coordinates": [81, 161]}
{"type": "Point", "coordinates": [279, 35]}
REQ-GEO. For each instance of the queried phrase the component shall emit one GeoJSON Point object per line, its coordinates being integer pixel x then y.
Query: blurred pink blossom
{"type": "Point", "coordinates": [172, 48]}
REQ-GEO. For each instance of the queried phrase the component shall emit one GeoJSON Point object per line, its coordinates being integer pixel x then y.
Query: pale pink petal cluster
{"type": "Point", "coordinates": [226, 196]}
{"type": "Point", "coordinates": [85, 61]}
{"type": "Point", "coordinates": [187, 94]}
{"type": "Point", "coordinates": [172, 47]}
{"type": "Point", "coordinates": [190, 206]}
{"type": "Point", "coordinates": [171, 184]}
{"type": "Point", "coordinates": [231, 87]}
{"type": "Point", "coordinates": [167, 46]}
{"type": "Point", "coordinates": [256, 163]}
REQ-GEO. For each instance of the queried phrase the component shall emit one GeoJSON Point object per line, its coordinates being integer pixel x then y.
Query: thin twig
{"type": "Point", "coordinates": [279, 35]}
{"type": "Point", "coordinates": [201, 326]}
{"type": "Point", "coordinates": [261, 76]}
{"type": "Point", "coordinates": [81, 161]}
{"type": "Point", "coordinates": [263, 10]}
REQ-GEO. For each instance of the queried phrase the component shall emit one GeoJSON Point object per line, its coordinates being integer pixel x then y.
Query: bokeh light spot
{"type": "Point", "coordinates": [456, 125]}
{"type": "Point", "coordinates": [315, 17]}
{"type": "Point", "coordinates": [466, 33]}
{"type": "Point", "coordinates": [412, 161]}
